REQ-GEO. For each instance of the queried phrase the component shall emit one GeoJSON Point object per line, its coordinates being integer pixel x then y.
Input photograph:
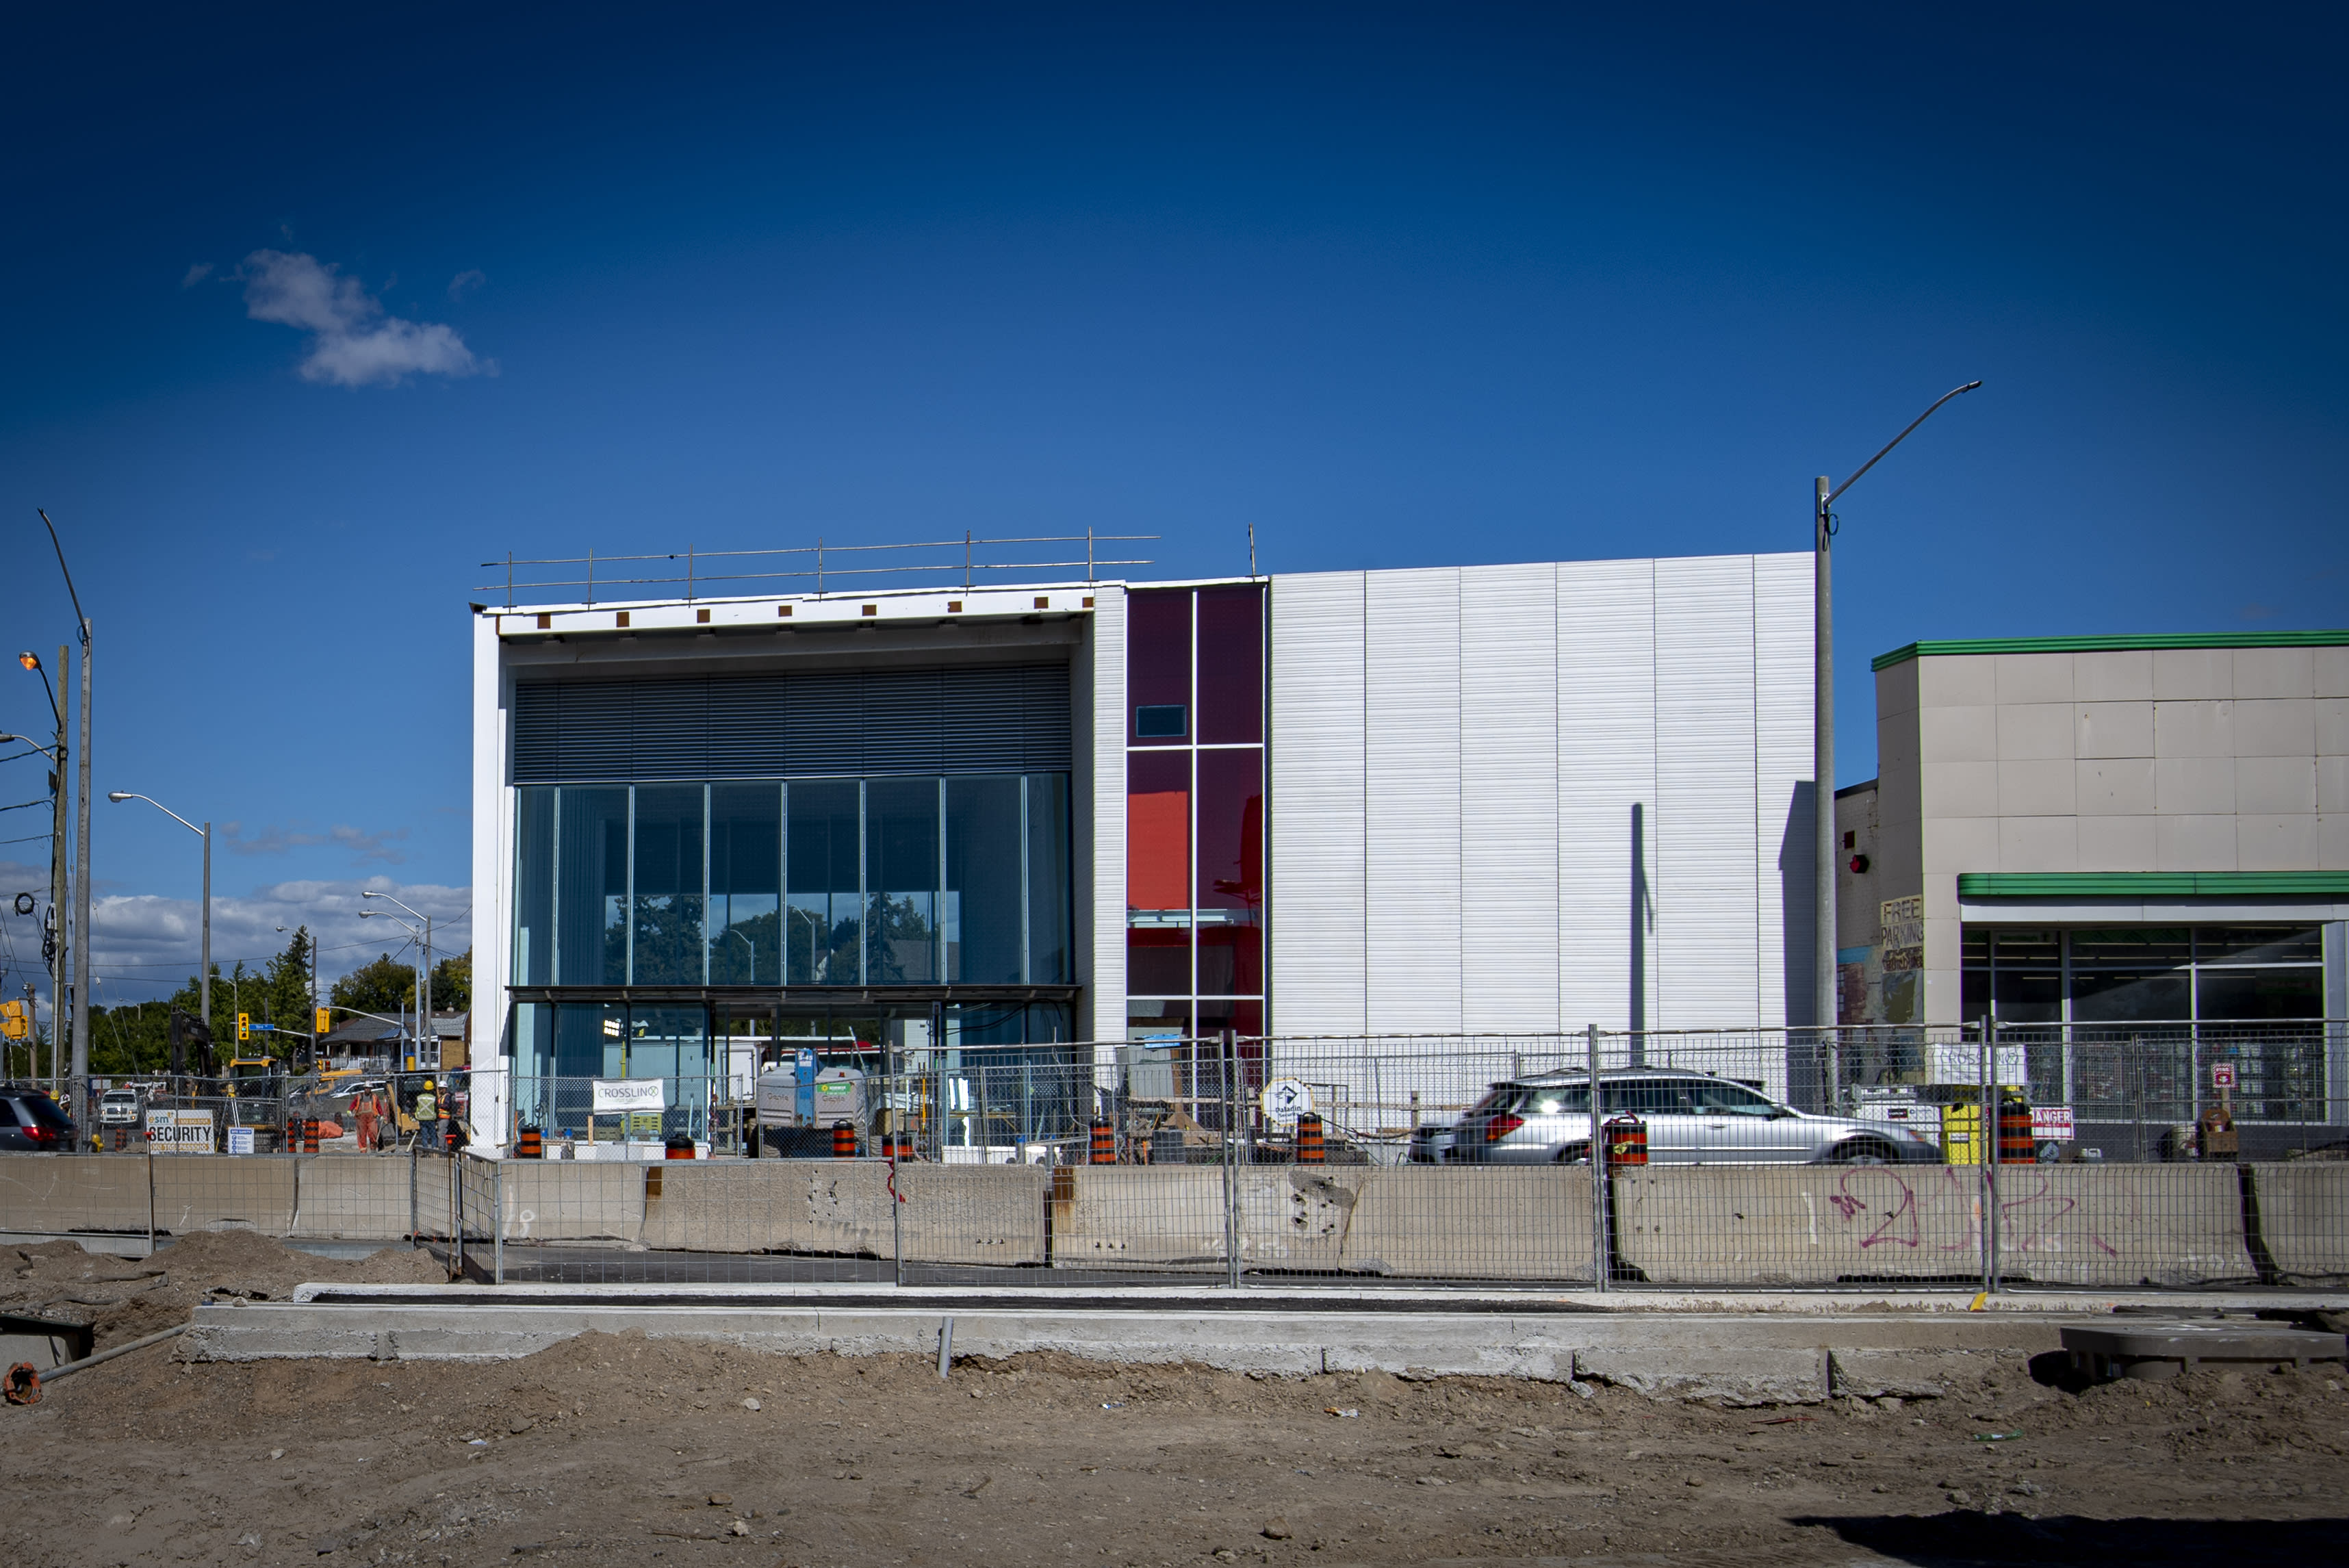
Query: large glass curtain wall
{"type": "Point", "coordinates": [828, 881]}
{"type": "Point", "coordinates": [1194, 812]}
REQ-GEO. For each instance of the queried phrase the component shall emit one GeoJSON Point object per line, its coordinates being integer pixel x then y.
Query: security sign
{"type": "Point", "coordinates": [1286, 1100]}
{"type": "Point", "coordinates": [2222, 1076]}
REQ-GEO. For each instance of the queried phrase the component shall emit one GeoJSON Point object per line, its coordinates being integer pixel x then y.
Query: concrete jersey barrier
{"type": "Point", "coordinates": [1804, 1224]}
{"type": "Point", "coordinates": [2118, 1227]}
{"type": "Point", "coordinates": [2304, 1210]}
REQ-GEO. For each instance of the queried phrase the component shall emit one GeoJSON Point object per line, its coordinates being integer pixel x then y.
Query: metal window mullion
{"type": "Point", "coordinates": [554, 902]}
{"type": "Point", "coordinates": [1026, 828]}
{"type": "Point", "coordinates": [782, 895]}
{"type": "Point", "coordinates": [863, 896]}
{"type": "Point", "coordinates": [938, 908]}
{"type": "Point", "coordinates": [706, 799]}
{"type": "Point", "coordinates": [628, 904]}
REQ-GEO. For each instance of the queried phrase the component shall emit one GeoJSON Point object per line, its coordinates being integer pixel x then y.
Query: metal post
{"type": "Point", "coordinates": [83, 1113]}
{"type": "Point", "coordinates": [1599, 1258]}
{"type": "Point", "coordinates": [60, 891]}
{"type": "Point", "coordinates": [1986, 1145]}
{"type": "Point", "coordinates": [1231, 1159]}
{"type": "Point", "coordinates": [1823, 833]}
{"type": "Point", "coordinates": [498, 1222]}
{"type": "Point", "coordinates": [204, 963]}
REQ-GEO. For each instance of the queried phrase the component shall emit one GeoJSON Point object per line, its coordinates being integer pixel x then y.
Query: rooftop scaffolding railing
{"type": "Point", "coordinates": [948, 559]}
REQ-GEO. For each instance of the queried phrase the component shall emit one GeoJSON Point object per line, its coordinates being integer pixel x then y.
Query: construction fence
{"type": "Point", "coordinates": [2160, 1156]}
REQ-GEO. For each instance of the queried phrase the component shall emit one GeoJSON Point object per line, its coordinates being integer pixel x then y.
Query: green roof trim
{"type": "Point", "coordinates": [2098, 645]}
{"type": "Point", "coordinates": [2152, 884]}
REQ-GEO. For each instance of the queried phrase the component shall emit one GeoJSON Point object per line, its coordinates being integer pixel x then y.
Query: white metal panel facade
{"type": "Point", "coordinates": [1316, 839]}
{"type": "Point", "coordinates": [1412, 749]}
{"type": "Point", "coordinates": [1507, 721]}
{"type": "Point", "coordinates": [1785, 868]}
{"type": "Point", "coordinates": [1508, 799]}
{"type": "Point", "coordinates": [1707, 908]}
{"type": "Point", "coordinates": [1105, 985]}
{"type": "Point", "coordinates": [1605, 706]}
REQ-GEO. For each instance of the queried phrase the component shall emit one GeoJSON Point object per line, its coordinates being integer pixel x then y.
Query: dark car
{"type": "Point", "coordinates": [32, 1123]}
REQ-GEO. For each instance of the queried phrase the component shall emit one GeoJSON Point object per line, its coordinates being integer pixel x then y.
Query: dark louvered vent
{"type": "Point", "coordinates": [1005, 720]}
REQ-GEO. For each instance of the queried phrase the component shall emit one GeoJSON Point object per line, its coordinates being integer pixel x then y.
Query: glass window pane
{"type": "Point", "coordinates": [746, 873]}
{"type": "Point", "coordinates": [825, 920]}
{"type": "Point", "coordinates": [1158, 960]}
{"type": "Point", "coordinates": [2043, 949]}
{"type": "Point", "coordinates": [1734, 1099]}
{"type": "Point", "coordinates": [1231, 831]}
{"type": "Point", "coordinates": [2115, 996]}
{"type": "Point", "coordinates": [533, 894]}
{"type": "Point", "coordinates": [1146, 1020]}
{"type": "Point", "coordinates": [668, 884]}
{"type": "Point", "coordinates": [1050, 960]}
{"type": "Point", "coordinates": [1158, 832]}
{"type": "Point", "coordinates": [982, 904]}
{"type": "Point", "coordinates": [591, 901]}
{"type": "Point", "coordinates": [2260, 944]}
{"type": "Point", "coordinates": [2148, 946]}
{"type": "Point", "coordinates": [1158, 662]}
{"type": "Point", "coordinates": [2029, 996]}
{"type": "Point", "coordinates": [2243, 994]}
{"type": "Point", "coordinates": [901, 881]}
{"type": "Point", "coordinates": [672, 1043]}
{"type": "Point", "coordinates": [1231, 665]}
{"type": "Point", "coordinates": [1244, 1019]}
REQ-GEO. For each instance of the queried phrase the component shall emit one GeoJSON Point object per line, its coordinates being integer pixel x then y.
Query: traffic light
{"type": "Point", "coordinates": [243, 1027]}
{"type": "Point", "coordinates": [324, 1021]}
{"type": "Point", "coordinates": [14, 1024]}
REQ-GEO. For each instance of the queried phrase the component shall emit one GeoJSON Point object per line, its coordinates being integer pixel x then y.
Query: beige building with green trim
{"type": "Point", "coordinates": [2102, 829]}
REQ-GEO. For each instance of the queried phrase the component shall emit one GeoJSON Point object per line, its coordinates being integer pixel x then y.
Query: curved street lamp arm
{"type": "Point", "coordinates": [120, 795]}
{"type": "Point", "coordinates": [1897, 440]}
{"type": "Point", "coordinates": [389, 899]}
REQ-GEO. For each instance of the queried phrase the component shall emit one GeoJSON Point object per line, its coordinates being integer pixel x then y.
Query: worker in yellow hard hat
{"type": "Point", "coordinates": [428, 1116]}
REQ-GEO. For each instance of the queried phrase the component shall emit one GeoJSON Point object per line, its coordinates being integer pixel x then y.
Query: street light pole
{"type": "Point", "coordinates": [81, 847]}
{"type": "Point", "coordinates": [204, 974]}
{"type": "Point", "coordinates": [1823, 530]}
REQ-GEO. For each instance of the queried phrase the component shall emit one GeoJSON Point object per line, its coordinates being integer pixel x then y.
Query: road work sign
{"type": "Point", "coordinates": [1286, 1100]}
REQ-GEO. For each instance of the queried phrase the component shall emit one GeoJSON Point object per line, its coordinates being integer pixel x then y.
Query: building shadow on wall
{"type": "Point", "coordinates": [1969, 1536]}
{"type": "Point", "coordinates": [1799, 878]}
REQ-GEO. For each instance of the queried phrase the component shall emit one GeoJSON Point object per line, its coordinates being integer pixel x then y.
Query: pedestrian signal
{"type": "Point", "coordinates": [14, 1024]}
{"type": "Point", "coordinates": [243, 1027]}
{"type": "Point", "coordinates": [326, 1020]}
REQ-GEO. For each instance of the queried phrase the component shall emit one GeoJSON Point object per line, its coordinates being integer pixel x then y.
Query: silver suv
{"type": "Point", "coordinates": [1692, 1119]}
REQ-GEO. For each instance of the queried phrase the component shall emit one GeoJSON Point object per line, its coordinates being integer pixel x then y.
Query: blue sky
{"type": "Point", "coordinates": [305, 314]}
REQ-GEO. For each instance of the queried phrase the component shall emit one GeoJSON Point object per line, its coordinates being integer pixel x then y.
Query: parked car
{"type": "Point", "coordinates": [31, 1122]}
{"type": "Point", "coordinates": [1692, 1119]}
{"type": "Point", "coordinates": [1431, 1142]}
{"type": "Point", "coordinates": [119, 1108]}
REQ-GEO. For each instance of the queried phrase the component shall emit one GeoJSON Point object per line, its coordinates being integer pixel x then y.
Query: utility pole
{"type": "Point", "coordinates": [60, 890]}
{"type": "Point", "coordinates": [1823, 530]}
{"type": "Point", "coordinates": [81, 854]}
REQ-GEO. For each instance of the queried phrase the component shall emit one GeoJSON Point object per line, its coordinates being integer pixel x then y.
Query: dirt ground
{"type": "Point", "coordinates": [623, 1450]}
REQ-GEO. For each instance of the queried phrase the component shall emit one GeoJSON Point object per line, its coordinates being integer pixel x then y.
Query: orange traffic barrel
{"type": "Point", "coordinates": [677, 1146]}
{"type": "Point", "coordinates": [1626, 1138]}
{"type": "Point", "coordinates": [898, 1145]}
{"type": "Point", "coordinates": [531, 1145]}
{"type": "Point", "coordinates": [1104, 1148]}
{"type": "Point", "coordinates": [1308, 1139]}
{"type": "Point", "coordinates": [843, 1140]}
{"type": "Point", "coordinates": [2015, 1144]}
{"type": "Point", "coordinates": [309, 1136]}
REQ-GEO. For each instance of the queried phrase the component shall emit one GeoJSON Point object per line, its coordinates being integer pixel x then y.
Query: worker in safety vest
{"type": "Point", "coordinates": [428, 1116]}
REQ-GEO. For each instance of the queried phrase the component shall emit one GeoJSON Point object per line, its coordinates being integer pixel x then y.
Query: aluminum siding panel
{"type": "Point", "coordinates": [1412, 775]}
{"type": "Point", "coordinates": [1106, 853]}
{"type": "Point", "coordinates": [1508, 799]}
{"type": "Point", "coordinates": [1607, 763]}
{"type": "Point", "coordinates": [1320, 984]}
{"type": "Point", "coordinates": [1707, 904]}
{"type": "Point", "coordinates": [1784, 866]}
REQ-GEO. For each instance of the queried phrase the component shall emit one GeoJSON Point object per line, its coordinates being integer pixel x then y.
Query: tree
{"type": "Point", "coordinates": [453, 983]}
{"type": "Point", "coordinates": [382, 986]}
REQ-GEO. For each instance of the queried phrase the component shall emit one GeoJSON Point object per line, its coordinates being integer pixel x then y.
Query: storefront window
{"type": "Point", "coordinates": [746, 868]}
{"type": "Point", "coordinates": [826, 917]}
{"type": "Point", "coordinates": [668, 946]}
{"type": "Point", "coordinates": [591, 890]}
{"type": "Point", "coordinates": [2140, 974]}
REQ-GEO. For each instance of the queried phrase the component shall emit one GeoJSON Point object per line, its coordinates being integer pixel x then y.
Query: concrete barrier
{"type": "Point", "coordinates": [762, 1206]}
{"type": "Point", "coordinates": [223, 1192]}
{"type": "Point", "coordinates": [566, 1200]}
{"type": "Point", "coordinates": [1803, 1224]}
{"type": "Point", "coordinates": [2304, 1219]}
{"type": "Point", "coordinates": [1499, 1222]}
{"type": "Point", "coordinates": [1137, 1216]}
{"type": "Point", "coordinates": [52, 1194]}
{"type": "Point", "coordinates": [350, 1196]}
{"type": "Point", "coordinates": [974, 1214]}
{"type": "Point", "coordinates": [2118, 1227]}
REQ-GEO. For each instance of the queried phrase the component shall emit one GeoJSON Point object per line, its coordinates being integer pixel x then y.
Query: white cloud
{"type": "Point", "coordinates": [466, 281]}
{"type": "Point", "coordinates": [196, 275]}
{"type": "Point", "coordinates": [274, 839]}
{"type": "Point", "coordinates": [354, 343]}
